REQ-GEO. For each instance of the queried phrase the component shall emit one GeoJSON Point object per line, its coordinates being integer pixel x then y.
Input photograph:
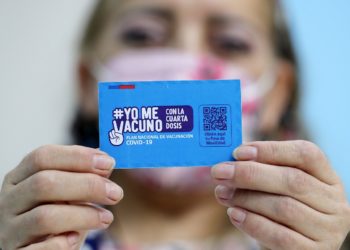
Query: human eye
{"type": "Point", "coordinates": [144, 32]}
{"type": "Point", "coordinates": [230, 45]}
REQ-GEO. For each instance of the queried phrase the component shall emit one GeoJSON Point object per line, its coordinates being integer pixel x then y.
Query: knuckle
{"type": "Point", "coordinates": [255, 230]}
{"type": "Point", "coordinates": [247, 173]}
{"type": "Point", "coordinates": [77, 149]}
{"type": "Point", "coordinates": [81, 151]}
{"type": "Point", "coordinates": [308, 152]}
{"type": "Point", "coordinates": [282, 239]}
{"type": "Point", "coordinates": [274, 150]}
{"type": "Point", "coordinates": [82, 156]}
{"type": "Point", "coordinates": [240, 197]}
{"type": "Point", "coordinates": [286, 209]}
{"type": "Point", "coordinates": [40, 155]}
{"type": "Point", "coordinates": [42, 182]}
{"type": "Point", "coordinates": [93, 183]}
{"type": "Point", "coordinates": [296, 181]}
{"type": "Point", "coordinates": [42, 218]}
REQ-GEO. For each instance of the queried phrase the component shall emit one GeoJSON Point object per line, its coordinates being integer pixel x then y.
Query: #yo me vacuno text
{"type": "Point", "coordinates": [153, 119]}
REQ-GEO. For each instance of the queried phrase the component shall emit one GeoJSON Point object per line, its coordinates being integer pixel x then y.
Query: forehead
{"type": "Point", "coordinates": [256, 12]}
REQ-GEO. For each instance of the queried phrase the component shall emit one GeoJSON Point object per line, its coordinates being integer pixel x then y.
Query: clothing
{"type": "Point", "coordinates": [101, 240]}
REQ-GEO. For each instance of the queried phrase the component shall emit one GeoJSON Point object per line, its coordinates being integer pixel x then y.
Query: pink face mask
{"type": "Point", "coordinates": [167, 64]}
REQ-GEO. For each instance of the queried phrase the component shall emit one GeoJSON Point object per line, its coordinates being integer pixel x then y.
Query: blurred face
{"type": "Point", "coordinates": [238, 32]}
{"type": "Point", "coordinates": [231, 33]}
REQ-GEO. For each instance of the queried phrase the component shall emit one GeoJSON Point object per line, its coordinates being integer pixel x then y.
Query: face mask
{"type": "Point", "coordinates": [166, 64]}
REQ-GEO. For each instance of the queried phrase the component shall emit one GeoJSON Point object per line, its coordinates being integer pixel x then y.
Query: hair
{"type": "Point", "coordinates": [290, 123]}
{"type": "Point", "coordinates": [289, 127]}
{"type": "Point", "coordinates": [95, 24]}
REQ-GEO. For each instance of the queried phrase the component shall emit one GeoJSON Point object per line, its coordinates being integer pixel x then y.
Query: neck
{"type": "Point", "coordinates": [149, 216]}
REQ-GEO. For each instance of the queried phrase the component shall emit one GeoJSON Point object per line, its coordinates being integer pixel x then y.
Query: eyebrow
{"type": "Point", "coordinates": [227, 20]}
{"type": "Point", "coordinates": [162, 13]}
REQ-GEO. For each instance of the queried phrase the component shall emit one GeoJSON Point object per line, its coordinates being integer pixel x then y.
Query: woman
{"type": "Point", "coordinates": [284, 194]}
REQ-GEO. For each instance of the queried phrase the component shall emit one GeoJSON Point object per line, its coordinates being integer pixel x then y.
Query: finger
{"type": "Point", "coordinates": [59, 218]}
{"type": "Point", "coordinates": [66, 158]}
{"type": "Point", "coordinates": [300, 154]}
{"type": "Point", "coordinates": [64, 241]}
{"type": "Point", "coordinates": [282, 209]}
{"type": "Point", "coordinates": [53, 185]}
{"type": "Point", "coordinates": [271, 234]}
{"type": "Point", "coordinates": [276, 180]}
{"type": "Point", "coordinates": [115, 125]}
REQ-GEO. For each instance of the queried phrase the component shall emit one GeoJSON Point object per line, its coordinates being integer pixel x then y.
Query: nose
{"type": "Point", "coordinates": [190, 35]}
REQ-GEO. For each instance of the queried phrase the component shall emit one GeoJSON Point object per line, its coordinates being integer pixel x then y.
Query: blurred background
{"type": "Point", "coordinates": [38, 45]}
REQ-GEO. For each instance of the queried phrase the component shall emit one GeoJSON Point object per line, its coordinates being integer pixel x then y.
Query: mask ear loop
{"type": "Point", "coordinates": [267, 81]}
{"type": "Point", "coordinates": [255, 92]}
{"type": "Point", "coordinates": [97, 70]}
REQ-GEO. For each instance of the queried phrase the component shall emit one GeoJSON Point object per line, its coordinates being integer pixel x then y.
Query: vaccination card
{"type": "Point", "coordinates": [170, 123]}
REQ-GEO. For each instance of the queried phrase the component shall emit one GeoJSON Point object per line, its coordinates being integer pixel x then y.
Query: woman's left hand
{"type": "Point", "coordinates": [285, 195]}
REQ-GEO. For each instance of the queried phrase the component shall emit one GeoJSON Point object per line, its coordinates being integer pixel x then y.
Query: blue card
{"type": "Point", "coordinates": [170, 123]}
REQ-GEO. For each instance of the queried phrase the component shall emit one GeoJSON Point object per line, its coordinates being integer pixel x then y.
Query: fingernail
{"type": "Point", "coordinates": [223, 192]}
{"type": "Point", "coordinates": [73, 238]}
{"type": "Point", "coordinates": [245, 153]}
{"type": "Point", "coordinates": [106, 218]}
{"type": "Point", "coordinates": [103, 162]}
{"type": "Point", "coordinates": [223, 171]}
{"type": "Point", "coordinates": [236, 214]}
{"type": "Point", "coordinates": [113, 191]}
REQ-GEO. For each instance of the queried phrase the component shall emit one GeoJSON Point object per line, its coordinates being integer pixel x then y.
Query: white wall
{"type": "Point", "coordinates": [38, 41]}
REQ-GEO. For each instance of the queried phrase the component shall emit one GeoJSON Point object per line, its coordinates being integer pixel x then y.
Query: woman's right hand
{"type": "Point", "coordinates": [48, 200]}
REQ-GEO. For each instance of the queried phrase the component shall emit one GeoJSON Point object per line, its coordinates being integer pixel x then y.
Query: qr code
{"type": "Point", "coordinates": [214, 118]}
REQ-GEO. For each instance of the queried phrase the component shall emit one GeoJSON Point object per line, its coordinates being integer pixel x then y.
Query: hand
{"type": "Point", "coordinates": [47, 201]}
{"type": "Point", "coordinates": [285, 195]}
{"type": "Point", "coordinates": [116, 137]}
